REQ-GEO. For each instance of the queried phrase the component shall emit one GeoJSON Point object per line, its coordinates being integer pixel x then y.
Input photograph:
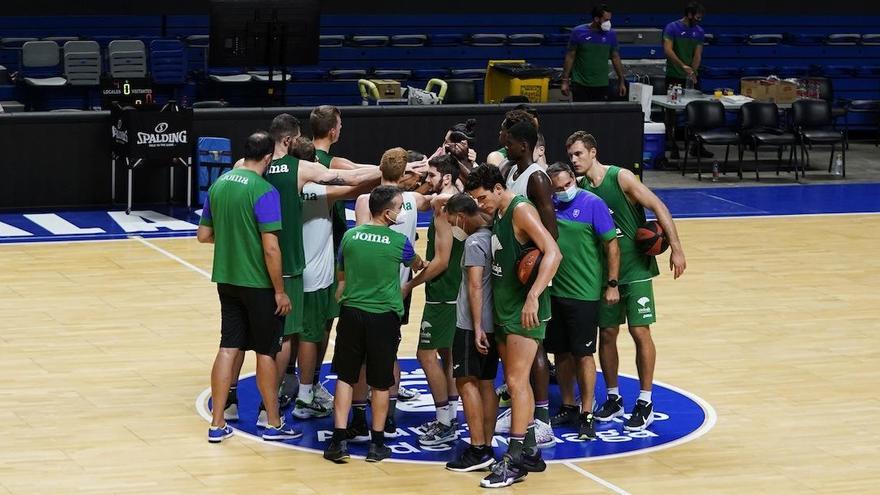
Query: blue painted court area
{"type": "Point", "coordinates": [164, 221]}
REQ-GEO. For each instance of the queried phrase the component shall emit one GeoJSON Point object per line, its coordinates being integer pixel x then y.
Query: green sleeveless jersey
{"type": "Point", "coordinates": [503, 152]}
{"type": "Point", "coordinates": [634, 266]}
{"type": "Point", "coordinates": [340, 224]}
{"type": "Point", "coordinates": [283, 173]}
{"type": "Point", "coordinates": [508, 293]}
{"type": "Point", "coordinates": [444, 288]}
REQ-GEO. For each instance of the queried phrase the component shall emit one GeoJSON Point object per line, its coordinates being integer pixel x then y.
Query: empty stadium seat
{"type": "Point", "coordinates": [128, 59]}
{"type": "Point", "coordinates": [765, 39]}
{"type": "Point", "coordinates": [640, 36]}
{"type": "Point", "coordinates": [526, 39]}
{"type": "Point", "coordinates": [834, 70]}
{"type": "Point", "coordinates": [369, 41]}
{"type": "Point", "coordinates": [426, 74]}
{"type": "Point", "coordinates": [61, 40]}
{"type": "Point", "coordinates": [871, 39]}
{"type": "Point", "coordinates": [263, 75]}
{"type": "Point", "coordinates": [308, 74]}
{"type": "Point", "coordinates": [332, 40]}
{"type": "Point", "coordinates": [557, 39]}
{"type": "Point", "coordinates": [794, 71]}
{"type": "Point", "coordinates": [347, 74]}
{"type": "Point", "coordinates": [168, 62]}
{"type": "Point", "coordinates": [488, 39]}
{"type": "Point", "coordinates": [868, 71]}
{"type": "Point", "coordinates": [409, 40]}
{"type": "Point", "coordinates": [804, 39]}
{"type": "Point", "coordinates": [82, 63]}
{"type": "Point", "coordinates": [467, 73]}
{"type": "Point", "coordinates": [714, 72]}
{"type": "Point", "coordinates": [709, 38]}
{"type": "Point", "coordinates": [41, 64]}
{"type": "Point", "coordinates": [729, 39]}
{"type": "Point", "coordinates": [231, 78]}
{"type": "Point", "coordinates": [843, 39]}
{"type": "Point", "coordinates": [446, 39]}
{"type": "Point", "coordinates": [758, 70]}
{"type": "Point", "coordinates": [396, 74]}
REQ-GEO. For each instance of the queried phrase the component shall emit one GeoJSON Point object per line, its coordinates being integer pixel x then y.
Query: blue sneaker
{"type": "Point", "coordinates": [217, 434]}
{"type": "Point", "coordinates": [283, 432]}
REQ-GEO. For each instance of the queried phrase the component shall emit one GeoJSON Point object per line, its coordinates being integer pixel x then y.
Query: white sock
{"type": "Point", "coordinates": [453, 410]}
{"type": "Point", "coordinates": [443, 415]}
{"type": "Point", "coordinates": [305, 394]}
{"type": "Point", "coordinates": [614, 391]}
{"type": "Point", "coordinates": [645, 395]}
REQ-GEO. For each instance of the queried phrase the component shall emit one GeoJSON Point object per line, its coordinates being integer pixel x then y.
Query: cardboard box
{"type": "Point", "coordinates": [388, 89]}
{"type": "Point", "coordinates": [769, 90]}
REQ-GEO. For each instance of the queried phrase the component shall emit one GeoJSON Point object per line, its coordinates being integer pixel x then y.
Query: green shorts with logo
{"type": "Point", "coordinates": [438, 326]}
{"type": "Point", "coordinates": [293, 287]}
{"type": "Point", "coordinates": [319, 307]}
{"type": "Point", "coordinates": [537, 333]}
{"type": "Point", "coordinates": [636, 307]}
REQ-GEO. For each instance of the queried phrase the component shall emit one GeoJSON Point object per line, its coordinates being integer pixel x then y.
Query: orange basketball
{"type": "Point", "coordinates": [527, 265]}
{"type": "Point", "coordinates": [650, 239]}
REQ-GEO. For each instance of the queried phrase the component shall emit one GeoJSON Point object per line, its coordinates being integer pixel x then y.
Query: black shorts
{"type": "Point", "coordinates": [248, 321]}
{"type": "Point", "coordinates": [366, 338]}
{"type": "Point", "coordinates": [574, 327]}
{"type": "Point", "coordinates": [589, 93]}
{"type": "Point", "coordinates": [467, 360]}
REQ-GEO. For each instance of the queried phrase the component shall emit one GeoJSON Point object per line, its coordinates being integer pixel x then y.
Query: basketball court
{"type": "Point", "coordinates": [767, 363]}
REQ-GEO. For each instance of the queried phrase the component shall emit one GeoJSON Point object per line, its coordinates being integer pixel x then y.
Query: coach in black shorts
{"type": "Point", "coordinates": [371, 305]}
{"type": "Point", "coordinates": [242, 218]}
{"type": "Point", "coordinates": [474, 354]}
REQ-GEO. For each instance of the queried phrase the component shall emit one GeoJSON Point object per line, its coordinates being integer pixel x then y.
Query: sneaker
{"type": "Point", "coordinates": [336, 452]}
{"type": "Point", "coordinates": [439, 435]}
{"type": "Point", "coordinates": [217, 434]}
{"type": "Point", "coordinates": [323, 396]}
{"type": "Point", "coordinates": [533, 463]}
{"type": "Point", "coordinates": [289, 385]}
{"type": "Point", "coordinates": [472, 459]}
{"type": "Point", "coordinates": [284, 401]}
{"type": "Point", "coordinates": [504, 473]}
{"type": "Point", "coordinates": [262, 418]}
{"type": "Point", "coordinates": [358, 432]}
{"type": "Point", "coordinates": [407, 394]}
{"type": "Point", "coordinates": [378, 452]}
{"type": "Point", "coordinates": [503, 396]}
{"type": "Point", "coordinates": [567, 415]}
{"type": "Point", "coordinates": [283, 432]}
{"type": "Point", "coordinates": [544, 436]}
{"type": "Point", "coordinates": [231, 412]}
{"type": "Point", "coordinates": [586, 427]}
{"type": "Point", "coordinates": [314, 409]}
{"type": "Point", "coordinates": [430, 425]}
{"type": "Point", "coordinates": [641, 417]}
{"type": "Point", "coordinates": [502, 423]}
{"type": "Point", "coordinates": [390, 427]}
{"type": "Point", "coordinates": [612, 408]}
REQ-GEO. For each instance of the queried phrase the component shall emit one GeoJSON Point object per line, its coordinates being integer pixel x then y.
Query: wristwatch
{"type": "Point", "coordinates": [612, 283]}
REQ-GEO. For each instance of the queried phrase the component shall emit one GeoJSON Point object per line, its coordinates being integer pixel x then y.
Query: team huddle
{"type": "Point", "coordinates": [523, 259]}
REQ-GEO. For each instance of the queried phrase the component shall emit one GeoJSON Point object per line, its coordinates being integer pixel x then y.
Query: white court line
{"type": "Point", "coordinates": [611, 486]}
{"type": "Point", "coordinates": [171, 256]}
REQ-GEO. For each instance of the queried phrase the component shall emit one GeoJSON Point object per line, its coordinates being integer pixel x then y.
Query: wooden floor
{"type": "Point", "coordinates": [105, 346]}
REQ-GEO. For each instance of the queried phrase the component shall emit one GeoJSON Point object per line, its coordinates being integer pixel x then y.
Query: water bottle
{"type": "Point", "coordinates": [679, 92]}
{"type": "Point", "coordinates": [838, 164]}
{"type": "Point", "coordinates": [715, 171]}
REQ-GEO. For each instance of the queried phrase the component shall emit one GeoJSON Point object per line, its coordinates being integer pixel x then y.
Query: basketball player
{"type": "Point", "coordinates": [371, 306]}
{"type": "Point", "coordinates": [589, 240]}
{"type": "Point", "coordinates": [442, 279]}
{"type": "Point", "coordinates": [242, 218]}
{"type": "Point", "coordinates": [528, 179]}
{"type": "Point", "coordinates": [627, 199]}
{"type": "Point", "coordinates": [319, 300]}
{"type": "Point", "coordinates": [474, 351]}
{"type": "Point", "coordinates": [519, 113]}
{"type": "Point", "coordinates": [392, 166]}
{"type": "Point", "coordinates": [521, 312]}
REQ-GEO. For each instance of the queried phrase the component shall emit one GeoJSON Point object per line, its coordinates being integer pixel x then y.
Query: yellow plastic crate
{"type": "Point", "coordinates": [499, 85]}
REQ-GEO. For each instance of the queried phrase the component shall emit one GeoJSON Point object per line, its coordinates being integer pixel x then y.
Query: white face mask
{"type": "Point", "coordinates": [459, 233]}
{"type": "Point", "coordinates": [399, 219]}
{"type": "Point", "coordinates": [568, 195]}
{"type": "Point", "coordinates": [606, 26]}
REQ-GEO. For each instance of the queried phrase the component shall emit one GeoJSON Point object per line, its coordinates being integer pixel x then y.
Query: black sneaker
{"type": "Point", "coordinates": [641, 417]}
{"type": "Point", "coordinates": [378, 452]}
{"type": "Point", "coordinates": [358, 432]}
{"type": "Point", "coordinates": [586, 427]}
{"type": "Point", "coordinates": [567, 415]}
{"type": "Point", "coordinates": [612, 408]}
{"type": "Point", "coordinates": [533, 463]}
{"type": "Point", "coordinates": [504, 473]}
{"type": "Point", "coordinates": [336, 451]}
{"type": "Point", "coordinates": [390, 427]}
{"type": "Point", "coordinates": [472, 459]}
{"type": "Point", "coordinates": [284, 401]}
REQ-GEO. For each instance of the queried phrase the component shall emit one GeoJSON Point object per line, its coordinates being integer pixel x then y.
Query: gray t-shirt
{"type": "Point", "coordinates": [477, 252]}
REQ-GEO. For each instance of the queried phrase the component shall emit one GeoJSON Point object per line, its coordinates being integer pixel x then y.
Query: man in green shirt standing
{"type": "Point", "coordinates": [627, 199]}
{"type": "Point", "coordinates": [371, 306]}
{"type": "Point", "coordinates": [585, 70]}
{"type": "Point", "coordinates": [242, 218]}
{"type": "Point", "coordinates": [683, 46]}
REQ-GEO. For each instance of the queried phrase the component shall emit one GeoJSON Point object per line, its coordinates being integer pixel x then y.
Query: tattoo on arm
{"type": "Point", "coordinates": [335, 181]}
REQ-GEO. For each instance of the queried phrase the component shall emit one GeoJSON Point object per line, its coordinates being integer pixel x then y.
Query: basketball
{"type": "Point", "coordinates": [650, 239]}
{"type": "Point", "coordinates": [527, 265]}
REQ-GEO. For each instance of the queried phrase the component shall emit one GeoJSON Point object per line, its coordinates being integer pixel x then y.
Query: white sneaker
{"type": "Point", "coordinates": [314, 409]}
{"type": "Point", "coordinates": [407, 394]}
{"type": "Point", "coordinates": [263, 419]}
{"type": "Point", "coordinates": [231, 412]}
{"type": "Point", "coordinates": [502, 423]}
{"type": "Point", "coordinates": [322, 396]}
{"type": "Point", "coordinates": [544, 436]}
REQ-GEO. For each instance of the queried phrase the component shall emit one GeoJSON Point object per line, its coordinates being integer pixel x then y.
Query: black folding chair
{"type": "Point", "coordinates": [813, 125]}
{"type": "Point", "coordinates": [706, 125]}
{"type": "Point", "coordinates": [759, 125]}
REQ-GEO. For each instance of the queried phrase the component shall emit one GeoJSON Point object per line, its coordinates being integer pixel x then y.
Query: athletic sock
{"type": "Point", "coordinates": [453, 408]}
{"type": "Point", "coordinates": [645, 395]}
{"type": "Point", "coordinates": [442, 412]}
{"type": "Point", "coordinates": [530, 443]}
{"type": "Point", "coordinates": [339, 434]}
{"type": "Point", "coordinates": [377, 437]}
{"type": "Point", "coordinates": [542, 410]}
{"type": "Point", "coordinates": [305, 394]}
{"type": "Point", "coordinates": [515, 448]}
{"type": "Point", "coordinates": [359, 413]}
{"type": "Point", "coordinates": [613, 391]}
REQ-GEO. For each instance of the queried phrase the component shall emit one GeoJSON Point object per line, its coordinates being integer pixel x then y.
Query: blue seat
{"type": "Point", "coordinates": [168, 62]}
{"type": "Point", "coordinates": [347, 74]}
{"type": "Point", "coordinates": [839, 39]}
{"type": "Point", "coordinates": [467, 73]}
{"type": "Point", "coordinates": [488, 39]}
{"type": "Point", "coordinates": [369, 41]}
{"type": "Point", "coordinates": [804, 39]}
{"type": "Point", "coordinates": [409, 40]}
{"type": "Point", "coordinates": [871, 39]}
{"type": "Point", "coordinates": [396, 74]}
{"type": "Point", "coordinates": [868, 71]}
{"type": "Point", "coordinates": [794, 71]}
{"type": "Point", "coordinates": [719, 72]}
{"type": "Point", "coordinates": [446, 39]}
{"type": "Point", "coordinates": [308, 74]}
{"type": "Point", "coordinates": [757, 70]}
{"type": "Point", "coordinates": [214, 157]}
{"type": "Point", "coordinates": [426, 74]}
{"type": "Point", "coordinates": [836, 70]}
{"type": "Point", "coordinates": [331, 40]}
{"type": "Point", "coordinates": [729, 39]}
{"type": "Point", "coordinates": [525, 39]}
{"type": "Point", "coordinates": [765, 39]}
{"type": "Point", "coordinates": [709, 38]}
{"type": "Point", "coordinates": [557, 39]}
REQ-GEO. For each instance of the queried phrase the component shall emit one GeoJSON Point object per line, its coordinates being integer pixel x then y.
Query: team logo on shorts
{"type": "Point", "coordinates": [679, 417]}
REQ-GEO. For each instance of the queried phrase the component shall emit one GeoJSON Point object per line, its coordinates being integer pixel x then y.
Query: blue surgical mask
{"type": "Point", "coordinates": [568, 195]}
